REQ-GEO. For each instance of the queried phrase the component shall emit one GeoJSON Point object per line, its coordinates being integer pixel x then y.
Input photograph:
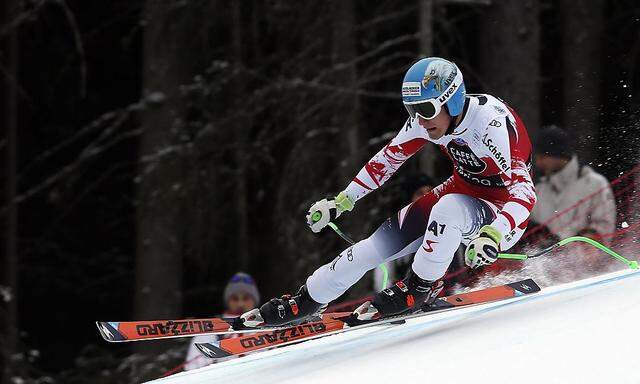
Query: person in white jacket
{"type": "Point", "coordinates": [240, 295]}
{"type": "Point", "coordinates": [573, 199]}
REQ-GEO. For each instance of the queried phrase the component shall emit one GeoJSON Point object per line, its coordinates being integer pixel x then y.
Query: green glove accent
{"type": "Point", "coordinates": [492, 233]}
{"type": "Point", "coordinates": [471, 254]}
{"type": "Point", "coordinates": [343, 202]}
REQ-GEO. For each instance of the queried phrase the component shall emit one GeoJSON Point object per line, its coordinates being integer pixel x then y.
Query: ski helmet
{"type": "Point", "coordinates": [430, 84]}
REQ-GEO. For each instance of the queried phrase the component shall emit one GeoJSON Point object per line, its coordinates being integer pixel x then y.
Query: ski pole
{"type": "Point", "coordinates": [517, 256]}
{"type": "Point", "coordinates": [385, 272]}
{"type": "Point", "coordinates": [341, 234]}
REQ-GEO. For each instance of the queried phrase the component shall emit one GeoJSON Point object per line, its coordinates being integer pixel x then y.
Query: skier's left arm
{"type": "Point", "coordinates": [509, 153]}
{"type": "Point", "coordinates": [510, 150]}
{"type": "Point", "coordinates": [522, 198]}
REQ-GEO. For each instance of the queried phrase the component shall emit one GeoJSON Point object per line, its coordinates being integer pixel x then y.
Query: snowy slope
{"type": "Point", "coordinates": [582, 332]}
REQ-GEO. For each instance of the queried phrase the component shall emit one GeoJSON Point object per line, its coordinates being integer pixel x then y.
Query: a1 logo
{"type": "Point", "coordinates": [436, 228]}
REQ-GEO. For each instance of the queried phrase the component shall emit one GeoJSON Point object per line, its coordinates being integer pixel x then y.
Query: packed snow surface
{"type": "Point", "coordinates": [581, 332]}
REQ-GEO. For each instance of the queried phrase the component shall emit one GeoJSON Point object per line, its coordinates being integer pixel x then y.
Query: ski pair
{"type": "Point", "coordinates": [163, 329]}
{"type": "Point", "coordinates": [124, 331]}
{"type": "Point", "coordinates": [333, 323]}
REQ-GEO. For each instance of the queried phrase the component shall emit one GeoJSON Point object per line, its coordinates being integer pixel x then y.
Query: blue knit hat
{"type": "Point", "coordinates": [242, 283]}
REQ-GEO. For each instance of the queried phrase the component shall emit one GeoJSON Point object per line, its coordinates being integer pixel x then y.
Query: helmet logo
{"type": "Point", "coordinates": [411, 88]}
{"type": "Point", "coordinates": [441, 72]}
{"type": "Point", "coordinates": [443, 98]}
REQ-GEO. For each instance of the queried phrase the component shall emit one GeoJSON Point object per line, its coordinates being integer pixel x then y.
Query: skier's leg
{"type": "Point", "coordinates": [453, 220]}
{"type": "Point", "coordinates": [398, 236]}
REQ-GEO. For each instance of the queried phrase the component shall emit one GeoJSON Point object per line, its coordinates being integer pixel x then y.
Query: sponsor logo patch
{"type": "Point", "coordinates": [428, 247]}
{"type": "Point", "coordinates": [465, 158]}
{"type": "Point", "coordinates": [445, 96]}
{"type": "Point", "coordinates": [282, 336]}
{"type": "Point", "coordinates": [181, 327]}
{"type": "Point", "coordinates": [459, 141]}
{"type": "Point", "coordinates": [332, 267]}
{"type": "Point", "coordinates": [411, 88]}
{"type": "Point", "coordinates": [499, 109]}
{"type": "Point", "coordinates": [500, 159]}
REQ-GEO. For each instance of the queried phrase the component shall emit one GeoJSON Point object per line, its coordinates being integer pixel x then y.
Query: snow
{"type": "Point", "coordinates": [581, 332]}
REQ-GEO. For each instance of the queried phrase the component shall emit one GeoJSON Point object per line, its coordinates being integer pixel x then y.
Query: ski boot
{"type": "Point", "coordinates": [407, 295]}
{"type": "Point", "coordinates": [283, 311]}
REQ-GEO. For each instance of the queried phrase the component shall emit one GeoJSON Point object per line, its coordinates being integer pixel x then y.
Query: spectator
{"type": "Point", "coordinates": [563, 183]}
{"type": "Point", "coordinates": [240, 295]}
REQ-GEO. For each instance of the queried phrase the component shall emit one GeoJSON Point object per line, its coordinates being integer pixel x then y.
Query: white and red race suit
{"type": "Point", "coordinates": [491, 184]}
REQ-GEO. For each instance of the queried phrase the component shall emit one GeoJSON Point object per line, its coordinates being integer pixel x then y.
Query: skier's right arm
{"type": "Point", "coordinates": [410, 139]}
{"type": "Point", "coordinates": [376, 172]}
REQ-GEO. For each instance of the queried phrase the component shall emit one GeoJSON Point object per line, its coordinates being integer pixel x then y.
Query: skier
{"type": "Point", "coordinates": [485, 204]}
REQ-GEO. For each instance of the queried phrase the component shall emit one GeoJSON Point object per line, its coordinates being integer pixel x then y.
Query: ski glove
{"type": "Point", "coordinates": [483, 250]}
{"type": "Point", "coordinates": [326, 210]}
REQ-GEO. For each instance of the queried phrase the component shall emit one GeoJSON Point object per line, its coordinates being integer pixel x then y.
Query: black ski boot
{"type": "Point", "coordinates": [285, 310]}
{"type": "Point", "coordinates": [407, 295]}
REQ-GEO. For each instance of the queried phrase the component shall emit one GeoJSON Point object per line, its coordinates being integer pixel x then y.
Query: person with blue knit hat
{"type": "Point", "coordinates": [240, 295]}
{"type": "Point", "coordinates": [241, 291]}
{"type": "Point", "coordinates": [485, 204]}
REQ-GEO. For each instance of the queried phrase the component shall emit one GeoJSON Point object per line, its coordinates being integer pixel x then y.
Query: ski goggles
{"type": "Point", "coordinates": [430, 108]}
{"type": "Point", "coordinates": [427, 109]}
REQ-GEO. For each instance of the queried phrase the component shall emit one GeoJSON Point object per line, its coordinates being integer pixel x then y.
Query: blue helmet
{"type": "Point", "coordinates": [431, 83]}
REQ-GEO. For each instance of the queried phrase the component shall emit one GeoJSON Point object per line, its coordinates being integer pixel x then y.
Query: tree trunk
{"type": "Point", "coordinates": [161, 199]}
{"type": "Point", "coordinates": [582, 31]}
{"type": "Point", "coordinates": [241, 125]}
{"type": "Point", "coordinates": [345, 118]}
{"type": "Point", "coordinates": [10, 314]}
{"type": "Point", "coordinates": [345, 112]}
{"type": "Point", "coordinates": [510, 56]}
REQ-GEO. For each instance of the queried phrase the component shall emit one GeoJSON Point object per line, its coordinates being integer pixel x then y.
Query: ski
{"type": "Point", "coordinates": [124, 331]}
{"type": "Point", "coordinates": [159, 329]}
{"type": "Point", "coordinates": [338, 323]}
